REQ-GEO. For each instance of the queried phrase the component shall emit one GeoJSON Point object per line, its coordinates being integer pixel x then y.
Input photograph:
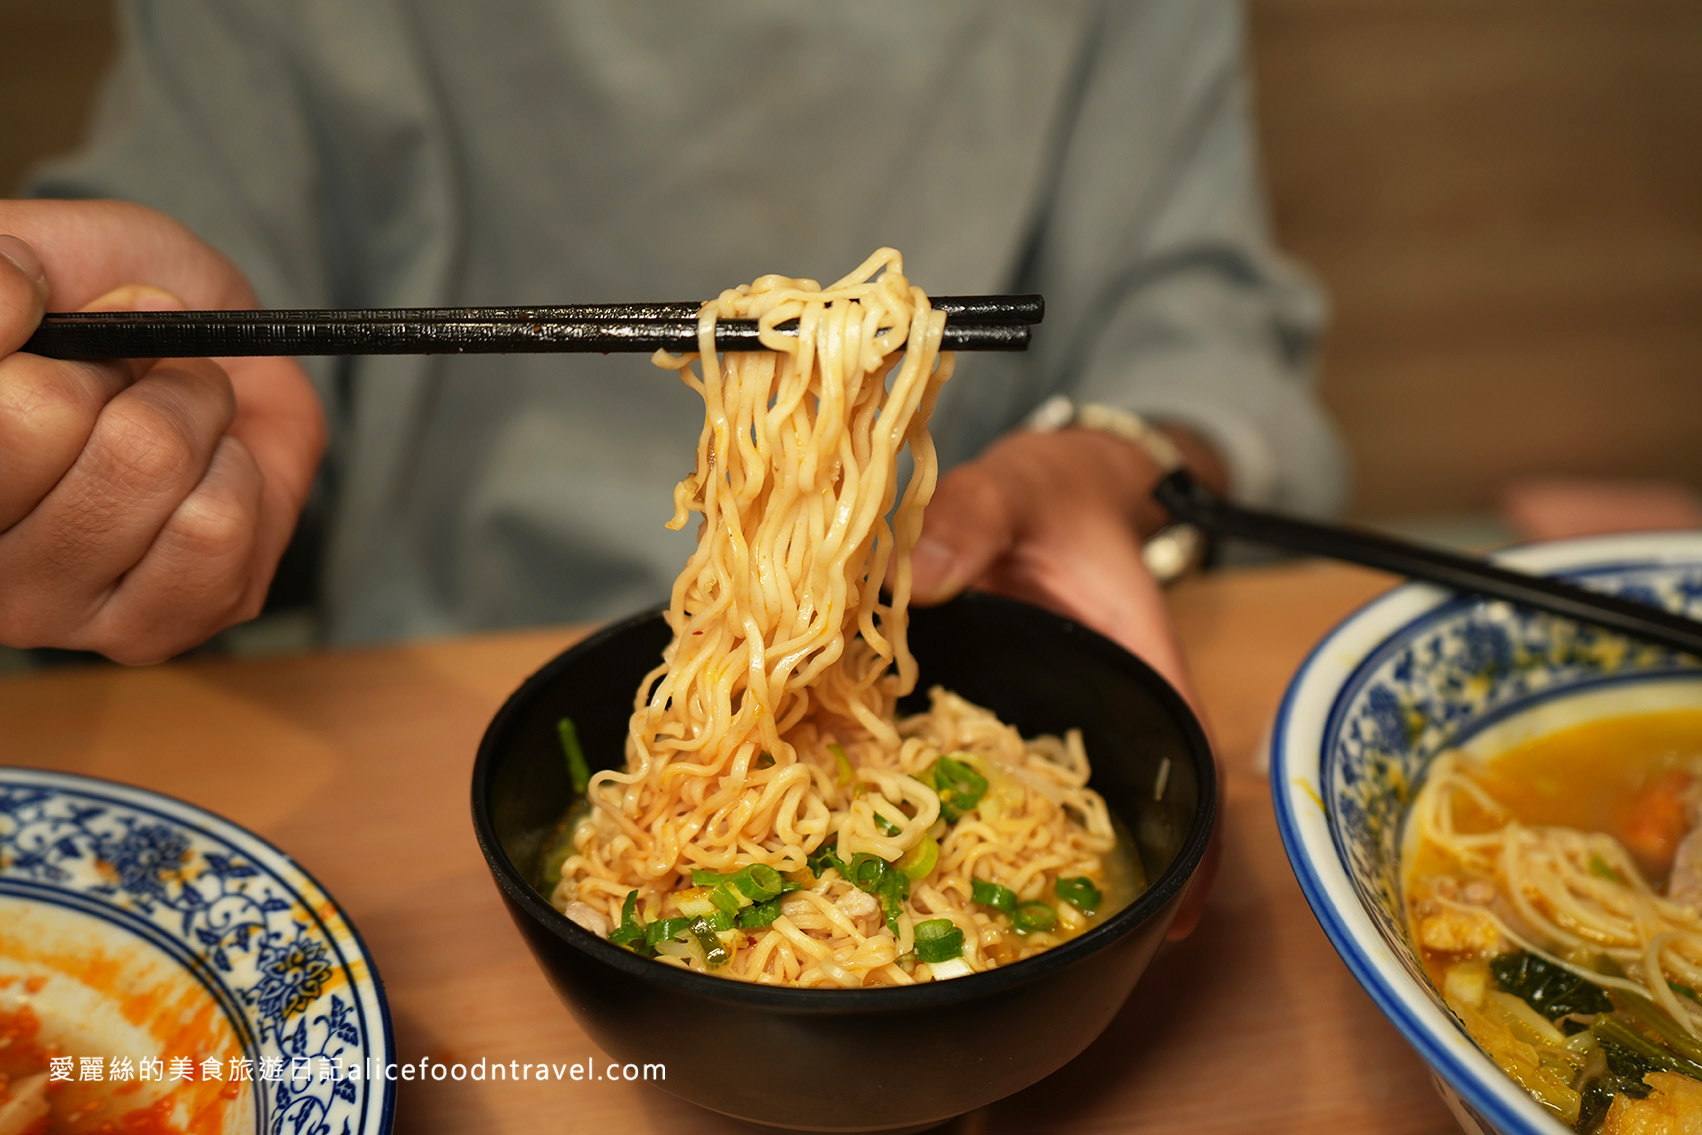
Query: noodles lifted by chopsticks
{"type": "Point", "coordinates": [766, 741]}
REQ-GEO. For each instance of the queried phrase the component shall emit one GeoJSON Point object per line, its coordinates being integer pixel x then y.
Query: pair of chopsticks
{"type": "Point", "coordinates": [1191, 502]}
{"type": "Point", "coordinates": [973, 323]}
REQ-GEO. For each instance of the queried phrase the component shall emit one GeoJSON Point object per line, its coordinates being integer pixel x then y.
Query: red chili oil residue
{"type": "Point", "coordinates": [22, 1055]}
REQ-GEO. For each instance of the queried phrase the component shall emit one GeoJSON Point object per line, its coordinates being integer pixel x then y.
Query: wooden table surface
{"type": "Point", "coordinates": [358, 762]}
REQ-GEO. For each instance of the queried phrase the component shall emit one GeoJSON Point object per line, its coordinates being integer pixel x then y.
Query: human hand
{"type": "Point", "coordinates": [1556, 508]}
{"type": "Point", "coordinates": [144, 504]}
{"type": "Point", "coordinates": [1056, 519]}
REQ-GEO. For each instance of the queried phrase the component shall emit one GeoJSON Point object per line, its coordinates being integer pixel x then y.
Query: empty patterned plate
{"type": "Point", "coordinates": [162, 970]}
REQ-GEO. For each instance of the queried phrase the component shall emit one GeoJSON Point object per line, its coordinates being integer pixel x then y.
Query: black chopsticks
{"type": "Point", "coordinates": [973, 323]}
{"type": "Point", "coordinates": [1189, 501]}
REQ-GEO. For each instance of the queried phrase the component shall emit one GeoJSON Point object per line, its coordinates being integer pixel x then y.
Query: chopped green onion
{"type": "Point", "coordinates": [718, 920]}
{"type": "Point", "coordinates": [874, 875]}
{"type": "Point", "coordinates": [759, 882]}
{"type": "Point", "coordinates": [824, 859]}
{"type": "Point", "coordinates": [578, 772]}
{"type": "Point", "coordinates": [867, 870]}
{"type": "Point", "coordinates": [714, 952]}
{"type": "Point", "coordinates": [726, 899]}
{"type": "Point", "coordinates": [959, 786]}
{"type": "Point", "coordinates": [694, 901]}
{"type": "Point", "coordinates": [664, 930]}
{"type": "Point", "coordinates": [847, 774]}
{"type": "Point", "coordinates": [992, 894]}
{"type": "Point", "coordinates": [1034, 917]}
{"type": "Point", "coordinates": [761, 914]}
{"type": "Point", "coordinates": [919, 861]}
{"type": "Point", "coordinates": [886, 826]}
{"type": "Point", "coordinates": [630, 933]}
{"type": "Point", "coordinates": [764, 760]}
{"type": "Point", "coordinates": [756, 883]}
{"type": "Point", "coordinates": [1080, 893]}
{"type": "Point", "coordinates": [1600, 869]}
{"type": "Point", "coordinates": [938, 940]}
{"type": "Point", "coordinates": [1683, 990]}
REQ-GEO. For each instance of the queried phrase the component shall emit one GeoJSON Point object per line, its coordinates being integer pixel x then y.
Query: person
{"type": "Point", "coordinates": [432, 153]}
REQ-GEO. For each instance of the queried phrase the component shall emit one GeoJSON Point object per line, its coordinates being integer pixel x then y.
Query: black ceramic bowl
{"type": "Point", "coordinates": [876, 1059]}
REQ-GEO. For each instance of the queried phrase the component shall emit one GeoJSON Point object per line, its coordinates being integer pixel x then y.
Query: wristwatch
{"type": "Point", "coordinates": [1172, 551]}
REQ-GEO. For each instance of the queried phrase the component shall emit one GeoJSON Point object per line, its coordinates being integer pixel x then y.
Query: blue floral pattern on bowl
{"type": "Point", "coordinates": [283, 963]}
{"type": "Point", "coordinates": [1414, 673]}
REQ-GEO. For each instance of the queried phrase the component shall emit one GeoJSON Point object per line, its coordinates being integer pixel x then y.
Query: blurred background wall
{"type": "Point", "coordinates": [1504, 198]}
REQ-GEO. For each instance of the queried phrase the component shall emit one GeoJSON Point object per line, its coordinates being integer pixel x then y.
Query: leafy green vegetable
{"type": "Point", "coordinates": [938, 940]}
{"type": "Point", "coordinates": [1545, 987]}
{"type": "Point", "coordinates": [1609, 1029]}
{"type": "Point", "coordinates": [998, 897]}
{"type": "Point", "coordinates": [1653, 1018]}
{"type": "Point", "coordinates": [959, 786]}
{"type": "Point", "coordinates": [1080, 893]}
{"type": "Point", "coordinates": [1597, 1097]}
{"type": "Point", "coordinates": [578, 772]}
{"type": "Point", "coordinates": [1034, 917]}
{"type": "Point", "coordinates": [1623, 1063]}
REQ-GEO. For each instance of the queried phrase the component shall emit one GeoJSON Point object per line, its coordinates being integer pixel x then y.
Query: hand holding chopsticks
{"type": "Point", "coordinates": [1192, 503]}
{"type": "Point", "coordinates": [973, 323]}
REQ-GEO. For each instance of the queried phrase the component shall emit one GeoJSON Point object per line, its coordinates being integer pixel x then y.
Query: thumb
{"type": "Point", "coordinates": [23, 293]}
{"type": "Point", "coordinates": [968, 526]}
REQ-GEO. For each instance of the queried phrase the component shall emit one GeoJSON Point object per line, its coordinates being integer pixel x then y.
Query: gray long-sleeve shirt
{"type": "Point", "coordinates": [438, 152]}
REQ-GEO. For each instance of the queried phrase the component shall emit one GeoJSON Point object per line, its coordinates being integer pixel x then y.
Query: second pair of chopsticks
{"type": "Point", "coordinates": [1191, 502]}
{"type": "Point", "coordinates": [973, 323]}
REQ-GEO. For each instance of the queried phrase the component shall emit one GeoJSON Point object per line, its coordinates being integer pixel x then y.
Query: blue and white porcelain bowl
{"type": "Point", "coordinates": [191, 965]}
{"type": "Point", "coordinates": [1421, 670]}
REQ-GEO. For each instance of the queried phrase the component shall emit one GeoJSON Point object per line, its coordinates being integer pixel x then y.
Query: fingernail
{"type": "Point", "coordinates": [933, 568]}
{"type": "Point", "coordinates": [25, 260]}
{"type": "Point", "coordinates": [136, 297]}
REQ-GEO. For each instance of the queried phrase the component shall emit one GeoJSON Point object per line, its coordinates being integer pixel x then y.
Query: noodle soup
{"type": "Point", "coordinates": [1022, 852]}
{"type": "Point", "coordinates": [1554, 894]}
{"type": "Point", "coordinates": [775, 819]}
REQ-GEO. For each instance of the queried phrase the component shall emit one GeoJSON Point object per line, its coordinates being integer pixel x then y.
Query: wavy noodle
{"type": "Point", "coordinates": [1564, 894]}
{"type": "Point", "coordinates": [782, 646]}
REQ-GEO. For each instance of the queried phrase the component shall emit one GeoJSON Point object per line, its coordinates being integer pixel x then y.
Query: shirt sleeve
{"type": "Point", "coordinates": [1165, 295]}
{"type": "Point", "coordinates": [202, 119]}
{"type": "Point", "coordinates": [302, 141]}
